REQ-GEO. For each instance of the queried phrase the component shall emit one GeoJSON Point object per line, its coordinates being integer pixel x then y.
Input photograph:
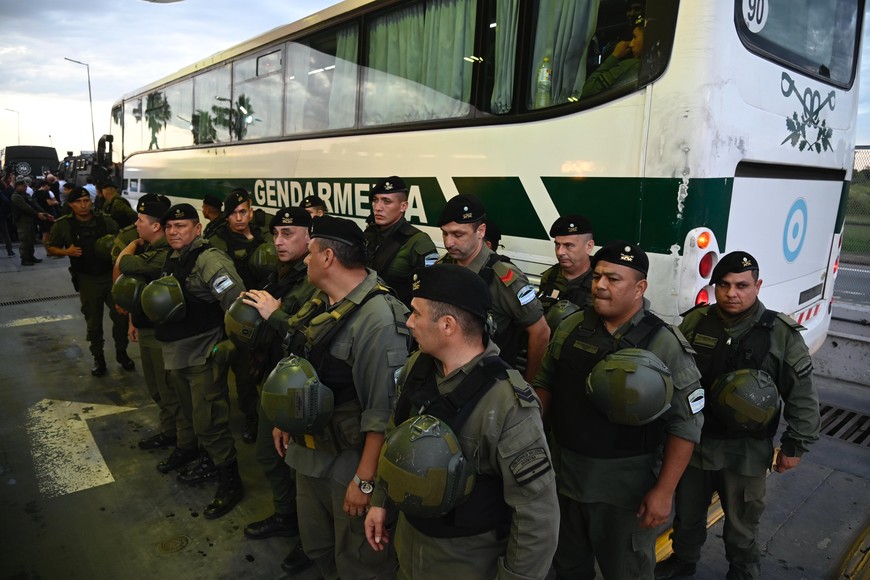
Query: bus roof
{"type": "Point", "coordinates": [346, 9]}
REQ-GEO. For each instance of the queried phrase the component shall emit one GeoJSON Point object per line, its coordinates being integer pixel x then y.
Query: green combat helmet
{"type": "Point", "coordinates": [422, 468]}
{"type": "Point", "coordinates": [243, 324]}
{"type": "Point", "coordinates": [631, 386]}
{"type": "Point", "coordinates": [127, 292]}
{"type": "Point", "coordinates": [263, 260]}
{"type": "Point", "coordinates": [163, 301]}
{"type": "Point", "coordinates": [125, 236]}
{"type": "Point", "coordinates": [103, 247]}
{"type": "Point", "coordinates": [559, 312]}
{"type": "Point", "coordinates": [745, 400]}
{"type": "Point", "coordinates": [295, 400]}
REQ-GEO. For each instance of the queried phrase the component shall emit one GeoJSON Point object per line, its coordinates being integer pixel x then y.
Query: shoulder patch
{"type": "Point", "coordinates": [222, 283]}
{"type": "Point", "coordinates": [526, 294]}
{"type": "Point", "coordinates": [696, 400]}
{"type": "Point", "coordinates": [523, 392]}
{"type": "Point", "coordinates": [790, 321]}
{"type": "Point", "coordinates": [804, 367]}
{"type": "Point", "coordinates": [430, 259]}
{"type": "Point", "coordinates": [530, 465]}
{"type": "Point", "coordinates": [504, 272]}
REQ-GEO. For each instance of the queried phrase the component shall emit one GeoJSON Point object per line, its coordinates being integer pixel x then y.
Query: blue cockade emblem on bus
{"type": "Point", "coordinates": [808, 122]}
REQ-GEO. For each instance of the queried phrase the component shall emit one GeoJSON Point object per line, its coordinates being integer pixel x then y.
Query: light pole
{"type": "Point", "coordinates": [90, 98]}
{"type": "Point", "coordinates": [18, 122]}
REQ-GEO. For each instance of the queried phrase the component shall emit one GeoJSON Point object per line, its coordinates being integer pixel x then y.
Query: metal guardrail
{"type": "Point", "coordinates": [856, 233]}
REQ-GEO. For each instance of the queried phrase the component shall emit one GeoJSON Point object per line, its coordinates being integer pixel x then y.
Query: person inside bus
{"type": "Point", "coordinates": [621, 67]}
{"type": "Point", "coordinates": [314, 205]}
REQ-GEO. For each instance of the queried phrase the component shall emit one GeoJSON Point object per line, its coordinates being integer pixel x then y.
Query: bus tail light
{"type": "Point", "coordinates": [699, 259]}
{"type": "Point", "coordinates": [836, 265]}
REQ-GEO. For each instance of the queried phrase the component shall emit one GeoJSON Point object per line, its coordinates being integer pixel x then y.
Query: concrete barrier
{"type": "Point", "coordinates": [845, 354]}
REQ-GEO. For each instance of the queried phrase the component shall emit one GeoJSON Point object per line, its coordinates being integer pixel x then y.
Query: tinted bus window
{"type": "Point", "coordinates": [258, 89]}
{"type": "Point", "coordinates": [420, 63]}
{"type": "Point", "coordinates": [133, 126]}
{"type": "Point", "coordinates": [178, 129]}
{"type": "Point", "coordinates": [814, 37]}
{"type": "Point", "coordinates": [212, 110]}
{"type": "Point", "coordinates": [321, 82]}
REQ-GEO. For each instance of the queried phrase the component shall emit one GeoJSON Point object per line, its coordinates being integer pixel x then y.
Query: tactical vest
{"type": "Point", "coordinates": [509, 337]}
{"type": "Point", "coordinates": [485, 509]}
{"type": "Point", "coordinates": [139, 319]}
{"type": "Point", "coordinates": [312, 340]}
{"type": "Point", "coordinates": [85, 238]}
{"type": "Point", "coordinates": [240, 249]}
{"type": "Point", "coordinates": [202, 315]}
{"type": "Point", "coordinates": [577, 422]}
{"type": "Point", "coordinates": [576, 295]}
{"type": "Point", "coordinates": [718, 353]}
{"type": "Point", "coordinates": [278, 287]}
{"type": "Point", "coordinates": [380, 257]}
{"type": "Point", "coordinates": [122, 219]}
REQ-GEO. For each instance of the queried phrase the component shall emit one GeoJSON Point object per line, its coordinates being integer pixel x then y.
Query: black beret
{"type": "Point", "coordinates": [493, 233]}
{"type": "Point", "coordinates": [20, 182]}
{"type": "Point", "coordinates": [455, 285]}
{"type": "Point", "coordinates": [623, 254]}
{"type": "Point", "coordinates": [212, 200]}
{"type": "Point", "coordinates": [236, 198]}
{"type": "Point", "coordinates": [391, 184]}
{"type": "Point", "coordinates": [337, 229]}
{"type": "Point", "coordinates": [105, 184]}
{"type": "Point", "coordinates": [570, 225]}
{"type": "Point", "coordinates": [313, 201]}
{"type": "Point", "coordinates": [77, 193]}
{"type": "Point", "coordinates": [733, 263]}
{"type": "Point", "coordinates": [291, 216]}
{"type": "Point", "coordinates": [180, 211]}
{"type": "Point", "coordinates": [462, 209]}
{"type": "Point", "coordinates": [153, 204]}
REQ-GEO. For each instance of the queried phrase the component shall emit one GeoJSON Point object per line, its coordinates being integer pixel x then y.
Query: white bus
{"type": "Point", "coordinates": [728, 125]}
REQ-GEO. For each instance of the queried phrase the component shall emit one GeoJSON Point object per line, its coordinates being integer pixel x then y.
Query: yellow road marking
{"type": "Point", "coordinates": [36, 320]}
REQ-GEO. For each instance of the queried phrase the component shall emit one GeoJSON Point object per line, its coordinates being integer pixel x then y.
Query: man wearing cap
{"type": "Point", "coordinates": [739, 333]}
{"type": "Point", "coordinates": [314, 205]}
{"type": "Point", "coordinates": [509, 525]}
{"type": "Point", "coordinates": [516, 311]}
{"type": "Point", "coordinates": [210, 284]}
{"type": "Point", "coordinates": [618, 472]}
{"type": "Point", "coordinates": [26, 213]}
{"type": "Point", "coordinates": [356, 340]}
{"type": "Point", "coordinates": [75, 236]}
{"type": "Point", "coordinates": [571, 278]}
{"type": "Point", "coordinates": [116, 207]}
{"type": "Point", "coordinates": [145, 257]}
{"type": "Point", "coordinates": [395, 248]}
{"type": "Point", "coordinates": [212, 210]}
{"type": "Point", "coordinates": [283, 295]}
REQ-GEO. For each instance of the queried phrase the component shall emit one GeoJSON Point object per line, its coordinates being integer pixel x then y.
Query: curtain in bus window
{"type": "Point", "coordinates": [211, 106]}
{"type": "Point", "coordinates": [420, 63]}
{"type": "Point", "coordinates": [298, 58]}
{"type": "Point", "coordinates": [133, 126]}
{"type": "Point", "coordinates": [564, 30]}
{"type": "Point", "coordinates": [506, 20]}
{"type": "Point", "coordinates": [342, 99]}
{"type": "Point", "coordinates": [258, 88]}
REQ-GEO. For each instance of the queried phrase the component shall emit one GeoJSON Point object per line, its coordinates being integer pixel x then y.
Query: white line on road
{"type": "Point", "coordinates": [855, 270]}
{"type": "Point", "coordinates": [36, 320]}
{"type": "Point", "coordinates": [849, 292]}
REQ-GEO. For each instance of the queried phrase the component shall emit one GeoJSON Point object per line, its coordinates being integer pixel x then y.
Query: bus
{"type": "Point", "coordinates": [690, 128]}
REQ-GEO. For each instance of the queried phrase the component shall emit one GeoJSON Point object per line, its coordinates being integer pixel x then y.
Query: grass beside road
{"type": "Point", "coordinates": [856, 233]}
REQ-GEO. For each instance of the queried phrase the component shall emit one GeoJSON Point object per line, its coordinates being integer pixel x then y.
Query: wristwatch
{"type": "Point", "coordinates": [367, 486]}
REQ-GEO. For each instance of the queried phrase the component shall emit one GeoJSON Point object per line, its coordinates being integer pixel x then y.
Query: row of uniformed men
{"type": "Point", "coordinates": [605, 514]}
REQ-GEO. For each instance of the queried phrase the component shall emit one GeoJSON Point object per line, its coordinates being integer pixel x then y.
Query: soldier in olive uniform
{"type": "Point", "coordinates": [571, 278]}
{"type": "Point", "coordinates": [314, 205]}
{"type": "Point", "coordinates": [395, 248]}
{"type": "Point", "coordinates": [75, 236]}
{"type": "Point", "coordinates": [116, 207]}
{"type": "Point", "coordinates": [508, 526]}
{"type": "Point", "coordinates": [738, 333]}
{"type": "Point", "coordinates": [516, 312]}
{"type": "Point", "coordinates": [212, 210]}
{"type": "Point", "coordinates": [244, 241]}
{"type": "Point", "coordinates": [145, 257]}
{"type": "Point", "coordinates": [27, 213]}
{"type": "Point", "coordinates": [283, 295]}
{"type": "Point", "coordinates": [210, 284]}
{"type": "Point", "coordinates": [356, 340]}
{"type": "Point", "coordinates": [621, 454]}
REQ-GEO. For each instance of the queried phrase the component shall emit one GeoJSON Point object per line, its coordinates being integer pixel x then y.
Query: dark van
{"type": "Point", "coordinates": [29, 160]}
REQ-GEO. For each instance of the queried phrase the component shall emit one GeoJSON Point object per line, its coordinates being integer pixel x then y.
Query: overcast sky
{"type": "Point", "coordinates": [130, 43]}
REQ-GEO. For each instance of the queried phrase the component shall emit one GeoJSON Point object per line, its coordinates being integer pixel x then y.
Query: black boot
{"type": "Point", "coordinates": [204, 470]}
{"type": "Point", "coordinates": [249, 434]}
{"type": "Point", "coordinates": [673, 567]}
{"type": "Point", "coordinates": [230, 492]}
{"type": "Point", "coordinates": [296, 561]}
{"type": "Point", "coordinates": [126, 362]}
{"type": "Point", "coordinates": [178, 459]}
{"type": "Point", "coordinates": [99, 368]}
{"type": "Point", "coordinates": [283, 525]}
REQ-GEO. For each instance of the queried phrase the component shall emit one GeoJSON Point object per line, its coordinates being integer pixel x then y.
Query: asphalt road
{"type": "Point", "coordinates": [853, 284]}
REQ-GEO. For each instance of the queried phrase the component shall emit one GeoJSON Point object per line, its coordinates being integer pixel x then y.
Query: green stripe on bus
{"type": "Point", "coordinates": [507, 204]}
{"type": "Point", "coordinates": [645, 211]}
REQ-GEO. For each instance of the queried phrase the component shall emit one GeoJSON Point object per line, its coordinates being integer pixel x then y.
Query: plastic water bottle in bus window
{"type": "Point", "coordinates": [544, 84]}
